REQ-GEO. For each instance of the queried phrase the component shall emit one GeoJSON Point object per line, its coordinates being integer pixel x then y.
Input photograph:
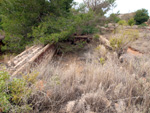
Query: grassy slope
{"type": "Point", "coordinates": [80, 83]}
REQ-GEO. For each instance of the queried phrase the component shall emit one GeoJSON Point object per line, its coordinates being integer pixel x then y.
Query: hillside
{"type": "Point", "coordinates": [57, 56]}
{"type": "Point", "coordinates": [94, 79]}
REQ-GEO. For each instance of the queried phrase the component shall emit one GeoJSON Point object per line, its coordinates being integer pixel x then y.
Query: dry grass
{"type": "Point", "coordinates": [93, 87]}
{"type": "Point", "coordinates": [6, 57]}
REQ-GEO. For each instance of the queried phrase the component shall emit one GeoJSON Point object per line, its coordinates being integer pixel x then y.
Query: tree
{"type": "Point", "coordinates": [48, 21]}
{"type": "Point", "coordinates": [114, 18]}
{"type": "Point", "coordinates": [20, 16]}
{"type": "Point", "coordinates": [141, 16]}
{"type": "Point", "coordinates": [100, 6]}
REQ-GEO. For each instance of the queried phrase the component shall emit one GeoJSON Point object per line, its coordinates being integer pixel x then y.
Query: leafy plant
{"type": "Point", "coordinates": [141, 16]}
{"type": "Point", "coordinates": [68, 47]}
{"type": "Point", "coordinates": [122, 22]}
{"type": "Point", "coordinates": [121, 41]}
{"type": "Point", "coordinates": [19, 17]}
{"type": "Point", "coordinates": [142, 25]}
{"type": "Point", "coordinates": [102, 60]}
{"type": "Point", "coordinates": [114, 18]}
{"type": "Point", "coordinates": [131, 22]}
{"type": "Point", "coordinates": [14, 93]}
{"type": "Point", "coordinates": [116, 42]}
{"type": "Point", "coordinates": [96, 36]}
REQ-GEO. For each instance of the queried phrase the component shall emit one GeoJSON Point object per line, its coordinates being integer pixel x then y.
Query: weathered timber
{"type": "Point", "coordinates": [26, 60]}
{"type": "Point", "coordinates": [105, 42]}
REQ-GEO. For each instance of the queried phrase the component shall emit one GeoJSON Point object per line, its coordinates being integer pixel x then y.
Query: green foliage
{"type": "Point", "coordinates": [0, 23]}
{"type": "Point", "coordinates": [122, 22]}
{"type": "Point", "coordinates": [88, 23]}
{"type": "Point", "coordinates": [96, 37]}
{"type": "Point", "coordinates": [114, 18]}
{"type": "Point", "coordinates": [131, 22]}
{"type": "Point", "coordinates": [19, 17]}
{"type": "Point", "coordinates": [44, 21]}
{"type": "Point", "coordinates": [67, 47]}
{"type": "Point", "coordinates": [14, 43]}
{"type": "Point", "coordinates": [89, 29]}
{"type": "Point", "coordinates": [119, 42]}
{"type": "Point", "coordinates": [54, 29]}
{"type": "Point", "coordinates": [14, 93]}
{"type": "Point", "coordinates": [100, 6]}
{"type": "Point", "coordinates": [141, 16]}
{"type": "Point", "coordinates": [102, 60]}
{"type": "Point", "coordinates": [4, 97]}
{"type": "Point", "coordinates": [142, 25]}
{"type": "Point", "coordinates": [116, 42]}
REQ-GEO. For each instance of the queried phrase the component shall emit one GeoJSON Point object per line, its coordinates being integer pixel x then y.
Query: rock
{"type": "Point", "coordinates": [134, 27]}
{"type": "Point", "coordinates": [111, 25]}
{"type": "Point", "coordinates": [70, 106]}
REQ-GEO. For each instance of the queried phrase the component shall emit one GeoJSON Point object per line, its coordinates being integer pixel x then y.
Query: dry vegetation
{"type": "Point", "coordinates": [94, 80]}
{"type": "Point", "coordinates": [91, 86]}
{"type": "Point", "coordinates": [111, 74]}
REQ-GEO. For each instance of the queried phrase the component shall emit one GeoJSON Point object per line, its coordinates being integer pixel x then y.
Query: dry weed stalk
{"type": "Point", "coordinates": [98, 88]}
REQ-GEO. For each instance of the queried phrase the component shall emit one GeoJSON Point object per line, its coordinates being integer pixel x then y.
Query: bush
{"type": "Point", "coordinates": [14, 93]}
{"type": "Point", "coordinates": [89, 29]}
{"type": "Point", "coordinates": [19, 17]}
{"type": "Point", "coordinates": [122, 22]}
{"type": "Point", "coordinates": [52, 31]}
{"type": "Point", "coordinates": [96, 37]}
{"type": "Point", "coordinates": [131, 22]}
{"type": "Point", "coordinates": [142, 25]}
{"type": "Point", "coordinates": [44, 24]}
{"type": "Point", "coordinates": [102, 60]}
{"type": "Point", "coordinates": [116, 43]}
{"type": "Point", "coordinates": [88, 23]}
{"type": "Point", "coordinates": [114, 18]}
{"type": "Point", "coordinates": [63, 47]}
{"type": "Point", "coordinates": [141, 16]}
{"type": "Point", "coordinates": [121, 41]}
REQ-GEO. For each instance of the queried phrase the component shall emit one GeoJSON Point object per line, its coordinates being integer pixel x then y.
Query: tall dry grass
{"type": "Point", "coordinates": [93, 87]}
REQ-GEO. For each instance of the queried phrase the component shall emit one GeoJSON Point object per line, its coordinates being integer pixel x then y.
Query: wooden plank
{"type": "Point", "coordinates": [27, 53]}
{"type": "Point", "coordinates": [33, 59]}
{"type": "Point", "coordinates": [40, 52]}
{"type": "Point", "coordinates": [105, 42]}
{"type": "Point", "coordinates": [25, 58]}
{"type": "Point", "coordinates": [12, 61]}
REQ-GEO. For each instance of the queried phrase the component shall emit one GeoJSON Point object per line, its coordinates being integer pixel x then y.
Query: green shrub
{"type": "Point", "coordinates": [114, 18]}
{"type": "Point", "coordinates": [102, 60]}
{"type": "Point", "coordinates": [142, 25]}
{"type": "Point", "coordinates": [88, 23]}
{"type": "Point", "coordinates": [116, 42]}
{"type": "Point", "coordinates": [89, 29]}
{"type": "Point", "coordinates": [19, 21]}
{"type": "Point", "coordinates": [52, 31]}
{"type": "Point", "coordinates": [63, 47]}
{"type": "Point", "coordinates": [96, 37]}
{"type": "Point", "coordinates": [47, 22]}
{"type": "Point", "coordinates": [141, 16]}
{"type": "Point", "coordinates": [131, 22]}
{"type": "Point", "coordinates": [14, 93]}
{"type": "Point", "coordinates": [121, 41]}
{"type": "Point", "coordinates": [122, 22]}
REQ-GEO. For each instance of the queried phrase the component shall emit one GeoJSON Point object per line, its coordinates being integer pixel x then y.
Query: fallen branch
{"type": "Point", "coordinates": [105, 42]}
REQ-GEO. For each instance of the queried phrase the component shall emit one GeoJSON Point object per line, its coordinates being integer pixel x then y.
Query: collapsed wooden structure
{"type": "Point", "coordinates": [34, 56]}
{"type": "Point", "coordinates": [29, 58]}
